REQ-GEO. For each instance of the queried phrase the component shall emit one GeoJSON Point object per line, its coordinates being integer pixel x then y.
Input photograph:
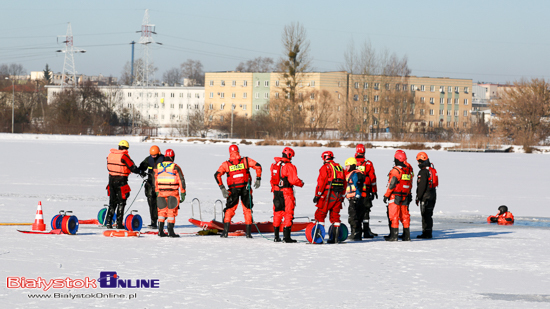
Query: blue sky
{"type": "Point", "coordinates": [491, 41]}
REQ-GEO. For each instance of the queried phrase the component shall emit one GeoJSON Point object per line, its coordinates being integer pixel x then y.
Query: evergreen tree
{"type": "Point", "coordinates": [47, 74]}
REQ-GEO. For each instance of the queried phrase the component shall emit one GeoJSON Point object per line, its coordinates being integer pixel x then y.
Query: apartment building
{"type": "Point", "coordinates": [159, 106]}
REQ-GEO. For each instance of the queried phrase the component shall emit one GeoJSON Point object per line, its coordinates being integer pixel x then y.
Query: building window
{"type": "Point", "coordinates": [222, 106]}
{"type": "Point", "coordinates": [339, 96]}
{"type": "Point", "coordinates": [276, 95]}
{"type": "Point", "coordinates": [211, 95]}
{"type": "Point", "coordinates": [211, 83]}
{"type": "Point", "coordinates": [441, 101]}
{"type": "Point", "coordinates": [365, 85]}
{"type": "Point", "coordinates": [266, 83]}
{"type": "Point", "coordinates": [233, 95]}
{"type": "Point", "coordinates": [432, 100]}
{"type": "Point", "coordinates": [233, 83]}
{"type": "Point", "coordinates": [257, 83]}
{"type": "Point", "coordinates": [432, 88]}
{"type": "Point", "coordinates": [422, 99]}
{"type": "Point", "coordinates": [197, 95]}
{"type": "Point", "coordinates": [245, 83]}
{"type": "Point", "coordinates": [442, 89]}
{"type": "Point", "coordinates": [376, 98]}
{"type": "Point", "coordinates": [465, 114]}
{"type": "Point", "coordinates": [356, 85]}
{"type": "Point", "coordinates": [181, 95]}
{"type": "Point", "coordinates": [221, 118]}
{"type": "Point", "coordinates": [181, 106]}
{"type": "Point", "coordinates": [456, 89]}
{"type": "Point", "coordinates": [441, 112]}
{"type": "Point", "coordinates": [421, 112]}
{"type": "Point", "coordinates": [312, 84]}
{"type": "Point", "coordinates": [431, 124]}
{"type": "Point", "coordinates": [171, 105]}
{"type": "Point", "coordinates": [387, 86]}
{"type": "Point", "coordinates": [449, 101]}
{"type": "Point", "coordinates": [450, 89]}
{"type": "Point", "coordinates": [355, 97]}
{"type": "Point", "coordinates": [266, 95]}
{"type": "Point", "coordinates": [245, 95]}
{"type": "Point", "coordinates": [365, 98]}
{"type": "Point", "coordinates": [312, 96]}
{"type": "Point", "coordinates": [413, 88]}
{"type": "Point", "coordinates": [277, 83]}
{"type": "Point", "coordinates": [222, 95]}
{"type": "Point", "coordinates": [223, 83]}
{"type": "Point", "coordinates": [189, 95]}
{"type": "Point", "coordinates": [129, 94]}
{"type": "Point", "coordinates": [465, 89]}
{"type": "Point", "coordinates": [376, 86]}
{"type": "Point", "coordinates": [257, 95]}
{"type": "Point", "coordinates": [211, 106]}
{"type": "Point", "coordinates": [431, 112]}
{"type": "Point", "coordinates": [375, 110]}
{"type": "Point", "coordinates": [422, 88]}
{"type": "Point", "coordinates": [465, 101]}
{"type": "Point", "coordinates": [456, 101]}
{"type": "Point", "coordinates": [244, 107]}
{"type": "Point", "coordinates": [448, 113]}
{"type": "Point", "coordinates": [172, 95]}
{"type": "Point", "coordinates": [257, 107]}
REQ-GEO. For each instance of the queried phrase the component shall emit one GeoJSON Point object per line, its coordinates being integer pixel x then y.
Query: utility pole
{"type": "Point", "coordinates": [68, 78]}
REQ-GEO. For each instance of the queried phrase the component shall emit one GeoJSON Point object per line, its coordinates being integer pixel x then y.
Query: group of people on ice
{"type": "Point", "coordinates": [165, 190]}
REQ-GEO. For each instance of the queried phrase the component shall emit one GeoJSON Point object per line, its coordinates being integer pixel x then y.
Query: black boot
{"type": "Point", "coordinates": [119, 224]}
{"type": "Point", "coordinates": [161, 230]}
{"type": "Point", "coordinates": [109, 219]}
{"type": "Point", "coordinates": [225, 230]}
{"type": "Point", "coordinates": [425, 235]}
{"type": "Point", "coordinates": [276, 231]}
{"type": "Point", "coordinates": [286, 233]}
{"type": "Point", "coordinates": [352, 233]}
{"type": "Point", "coordinates": [406, 234]}
{"type": "Point", "coordinates": [393, 235]}
{"type": "Point", "coordinates": [367, 233]}
{"type": "Point", "coordinates": [171, 230]}
{"type": "Point", "coordinates": [249, 231]}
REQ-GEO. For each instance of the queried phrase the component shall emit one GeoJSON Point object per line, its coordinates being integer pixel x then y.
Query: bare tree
{"type": "Point", "coordinates": [172, 76]}
{"type": "Point", "coordinates": [294, 67]}
{"type": "Point", "coordinates": [522, 113]}
{"type": "Point", "coordinates": [192, 70]}
{"type": "Point", "coordinates": [126, 74]}
{"type": "Point", "coordinates": [259, 64]}
{"type": "Point", "coordinates": [12, 69]}
{"type": "Point", "coordinates": [319, 112]}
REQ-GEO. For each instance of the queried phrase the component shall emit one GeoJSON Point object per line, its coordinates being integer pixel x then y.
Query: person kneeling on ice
{"type": "Point", "coordinates": [503, 217]}
{"type": "Point", "coordinates": [119, 165]}
{"type": "Point", "coordinates": [283, 179]}
{"type": "Point", "coordinates": [399, 197]}
{"type": "Point", "coordinates": [329, 192]}
{"type": "Point", "coordinates": [355, 182]}
{"type": "Point", "coordinates": [238, 181]}
{"type": "Point", "coordinates": [169, 181]}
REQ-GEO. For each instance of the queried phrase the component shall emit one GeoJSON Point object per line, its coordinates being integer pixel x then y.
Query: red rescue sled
{"type": "Point", "coordinates": [263, 227]}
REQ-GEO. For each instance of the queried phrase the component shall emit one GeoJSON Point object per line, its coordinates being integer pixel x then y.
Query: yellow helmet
{"type": "Point", "coordinates": [124, 143]}
{"type": "Point", "coordinates": [350, 161]}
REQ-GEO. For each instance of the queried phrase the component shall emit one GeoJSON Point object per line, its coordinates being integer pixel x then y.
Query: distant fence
{"type": "Point", "coordinates": [80, 130]}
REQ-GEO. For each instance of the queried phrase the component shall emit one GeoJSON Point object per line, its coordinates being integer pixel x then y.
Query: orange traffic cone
{"type": "Point", "coordinates": [38, 224]}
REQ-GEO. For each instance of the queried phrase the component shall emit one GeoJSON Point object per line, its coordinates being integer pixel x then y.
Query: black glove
{"type": "Point", "coordinates": [257, 183]}
{"type": "Point", "coordinates": [409, 199]}
{"type": "Point", "coordinates": [142, 174]}
{"type": "Point", "coordinates": [224, 191]}
{"type": "Point", "coordinates": [375, 195]}
{"type": "Point", "coordinates": [385, 200]}
{"type": "Point", "coordinates": [316, 199]}
{"type": "Point", "coordinates": [182, 197]}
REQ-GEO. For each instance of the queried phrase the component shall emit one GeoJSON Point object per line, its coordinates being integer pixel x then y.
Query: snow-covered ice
{"type": "Point", "coordinates": [469, 264]}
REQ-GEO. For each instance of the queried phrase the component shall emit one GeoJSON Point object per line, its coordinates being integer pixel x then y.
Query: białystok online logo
{"type": "Point", "coordinates": [107, 280]}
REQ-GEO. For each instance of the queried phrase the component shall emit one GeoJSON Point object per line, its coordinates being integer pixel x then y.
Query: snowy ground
{"type": "Point", "coordinates": [469, 264]}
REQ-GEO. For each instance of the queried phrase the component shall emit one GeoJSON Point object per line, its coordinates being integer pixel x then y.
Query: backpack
{"type": "Point", "coordinates": [434, 179]}
{"type": "Point", "coordinates": [276, 174]}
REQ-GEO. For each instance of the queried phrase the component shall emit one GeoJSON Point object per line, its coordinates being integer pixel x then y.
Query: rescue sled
{"type": "Point", "coordinates": [262, 227]}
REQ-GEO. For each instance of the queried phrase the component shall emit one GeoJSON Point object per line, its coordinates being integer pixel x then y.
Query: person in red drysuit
{"type": "Point", "coordinates": [283, 179]}
{"type": "Point", "coordinates": [503, 217]}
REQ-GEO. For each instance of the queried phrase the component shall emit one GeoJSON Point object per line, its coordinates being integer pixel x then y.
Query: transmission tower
{"type": "Point", "coordinates": [69, 72]}
{"type": "Point", "coordinates": [144, 74]}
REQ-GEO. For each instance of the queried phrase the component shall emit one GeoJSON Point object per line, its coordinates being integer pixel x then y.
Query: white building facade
{"type": "Point", "coordinates": [160, 106]}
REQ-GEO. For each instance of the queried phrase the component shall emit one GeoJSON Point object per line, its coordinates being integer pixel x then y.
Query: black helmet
{"type": "Point", "coordinates": [503, 209]}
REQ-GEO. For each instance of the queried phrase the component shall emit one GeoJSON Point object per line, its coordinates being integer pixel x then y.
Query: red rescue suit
{"type": "Point", "coordinates": [506, 218]}
{"type": "Point", "coordinates": [169, 181]}
{"type": "Point", "coordinates": [366, 167]}
{"type": "Point", "coordinates": [283, 179]}
{"type": "Point", "coordinates": [330, 190]}
{"type": "Point", "coordinates": [238, 182]}
{"type": "Point", "coordinates": [398, 192]}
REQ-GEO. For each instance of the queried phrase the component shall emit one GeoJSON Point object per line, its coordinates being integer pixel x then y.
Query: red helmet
{"type": "Point", "coordinates": [360, 150]}
{"type": "Point", "coordinates": [233, 148]}
{"type": "Point", "coordinates": [170, 153]}
{"type": "Point", "coordinates": [288, 152]}
{"type": "Point", "coordinates": [400, 156]}
{"type": "Point", "coordinates": [421, 156]}
{"type": "Point", "coordinates": [327, 155]}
